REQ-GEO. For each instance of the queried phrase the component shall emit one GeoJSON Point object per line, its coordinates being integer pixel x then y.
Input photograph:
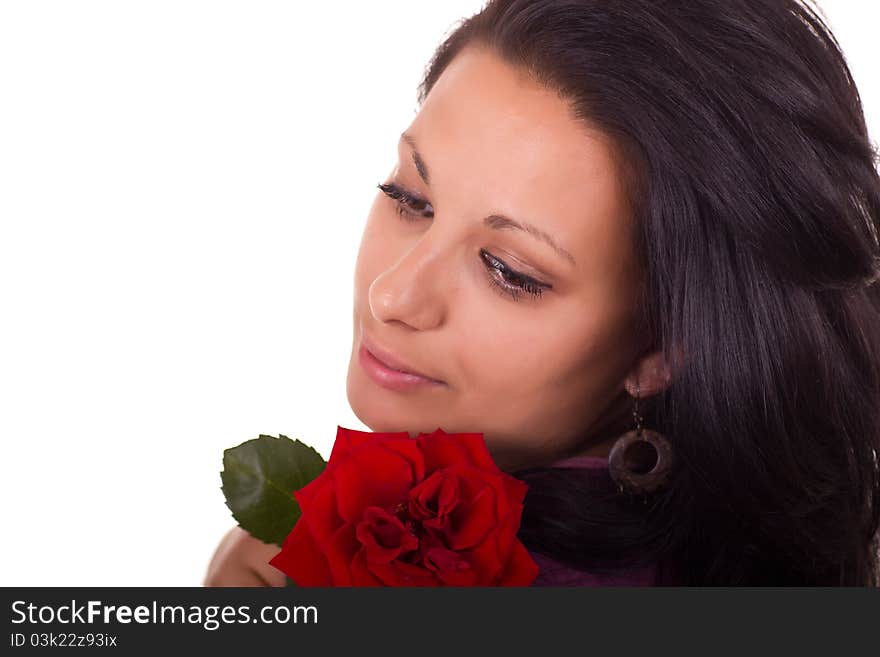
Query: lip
{"type": "Point", "coordinates": [389, 371]}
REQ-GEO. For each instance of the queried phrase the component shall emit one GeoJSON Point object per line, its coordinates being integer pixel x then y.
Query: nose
{"type": "Point", "coordinates": [414, 290]}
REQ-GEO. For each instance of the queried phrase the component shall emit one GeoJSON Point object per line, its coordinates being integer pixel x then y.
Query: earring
{"type": "Point", "coordinates": [640, 460]}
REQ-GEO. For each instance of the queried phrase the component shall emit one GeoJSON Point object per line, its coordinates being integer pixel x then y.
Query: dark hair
{"type": "Point", "coordinates": [757, 201]}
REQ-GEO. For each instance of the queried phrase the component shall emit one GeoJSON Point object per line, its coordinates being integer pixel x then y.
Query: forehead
{"type": "Point", "coordinates": [492, 135]}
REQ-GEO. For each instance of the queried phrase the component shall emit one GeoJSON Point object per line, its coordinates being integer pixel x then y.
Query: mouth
{"type": "Point", "coordinates": [387, 368]}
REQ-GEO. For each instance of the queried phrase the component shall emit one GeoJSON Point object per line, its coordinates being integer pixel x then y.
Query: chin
{"type": "Point", "coordinates": [380, 410]}
{"type": "Point", "coordinates": [383, 419]}
{"type": "Point", "coordinates": [365, 405]}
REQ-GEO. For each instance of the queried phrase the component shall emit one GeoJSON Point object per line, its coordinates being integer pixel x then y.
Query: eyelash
{"type": "Point", "coordinates": [411, 209]}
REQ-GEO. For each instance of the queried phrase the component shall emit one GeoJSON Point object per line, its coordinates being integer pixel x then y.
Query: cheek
{"type": "Point", "coordinates": [369, 248]}
{"type": "Point", "coordinates": [550, 368]}
{"type": "Point", "coordinates": [597, 348]}
{"type": "Point", "coordinates": [507, 372]}
{"type": "Point", "coordinates": [376, 253]}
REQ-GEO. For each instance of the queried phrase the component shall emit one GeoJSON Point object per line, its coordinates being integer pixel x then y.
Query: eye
{"type": "Point", "coordinates": [501, 278]}
{"type": "Point", "coordinates": [409, 206]}
{"type": "Point", "coordinates": [511, 283]}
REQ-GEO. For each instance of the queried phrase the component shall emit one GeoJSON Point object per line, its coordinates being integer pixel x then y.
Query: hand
{"type": "Point", "coordinates": [242, 560]}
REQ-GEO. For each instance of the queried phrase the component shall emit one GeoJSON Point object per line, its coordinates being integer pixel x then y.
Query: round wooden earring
{"type": "Point", "coordinates": [640, 461]}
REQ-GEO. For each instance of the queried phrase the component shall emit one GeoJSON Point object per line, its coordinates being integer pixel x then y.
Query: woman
{"type": "Point", "coordinates": [643, 215]}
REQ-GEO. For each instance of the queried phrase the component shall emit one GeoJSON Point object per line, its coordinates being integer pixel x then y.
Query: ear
{"type": "Point", "coordinates": [649, 376]}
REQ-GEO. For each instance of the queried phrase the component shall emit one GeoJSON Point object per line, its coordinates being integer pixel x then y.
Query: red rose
{"type": "Point", "coordinates": [390, 510]}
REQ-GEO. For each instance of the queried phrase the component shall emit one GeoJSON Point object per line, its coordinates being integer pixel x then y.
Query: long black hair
{"type": "Point", "coordinates": [757, 199]}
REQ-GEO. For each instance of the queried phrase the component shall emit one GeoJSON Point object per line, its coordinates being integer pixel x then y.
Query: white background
{"type": "Point", "coordinates": [183, 187]}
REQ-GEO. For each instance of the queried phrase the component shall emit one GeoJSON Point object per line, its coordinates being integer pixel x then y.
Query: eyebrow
{"type": "Point", "coordinates": [493, 221]}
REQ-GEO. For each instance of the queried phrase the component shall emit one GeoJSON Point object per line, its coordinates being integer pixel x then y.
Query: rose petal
{"type": "Point", "coordinates": [442, 449]}
{"type": "Point", "coordinates": [468, 577]}
{"type": "Point", "coordinates": [506, 532]}
{"type": "Point", "coordinates": [515, 489]}
{"type": "Point", "coordinates": [485, 562]}
{"type": "Point", "coordinates": [305, 495]}
{"type": "Point", "coordinates": [402, 573]}
{"type": "Point", "coordinates": [302, 560]}
{"type": "Point", "coordinates": [450, 567]}
{"type": "Point", "coordinates": [376, 476]}
{"type": "Point", "coordinates": [342, 544]}
{"type": "Point", "coordinates": [331, 534]}
{"type": "Point", "coordinates": [434, 498]}
{"type": "Point", "coordinates": [490, 557]}
{"type": "Point", "coordinates": [360, 574]}
{"type": "Point", "coordinates": [410, 450]}
{"type": "Point", "coordinates": [477, 515]}
{"type": "Point", "coordinates": [383, 536]}
{"type": "Point", "coordinates": [320, 511]}
{"type": "Point", "coordinates": [478, 452]}
{"type": "Point", "coordinates": [470, 526]}
{"type": "Point", "coordinates": [521, 569]}
{"type": "Point", "coordinates": [349, 439]}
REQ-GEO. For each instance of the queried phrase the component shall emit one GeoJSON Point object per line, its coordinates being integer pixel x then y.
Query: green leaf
{"type": "Point", "coordinates": [259, 477]}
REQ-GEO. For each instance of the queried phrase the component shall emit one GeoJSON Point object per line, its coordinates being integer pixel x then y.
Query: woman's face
{"type": "Point", "coordinates": [538, 375]}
